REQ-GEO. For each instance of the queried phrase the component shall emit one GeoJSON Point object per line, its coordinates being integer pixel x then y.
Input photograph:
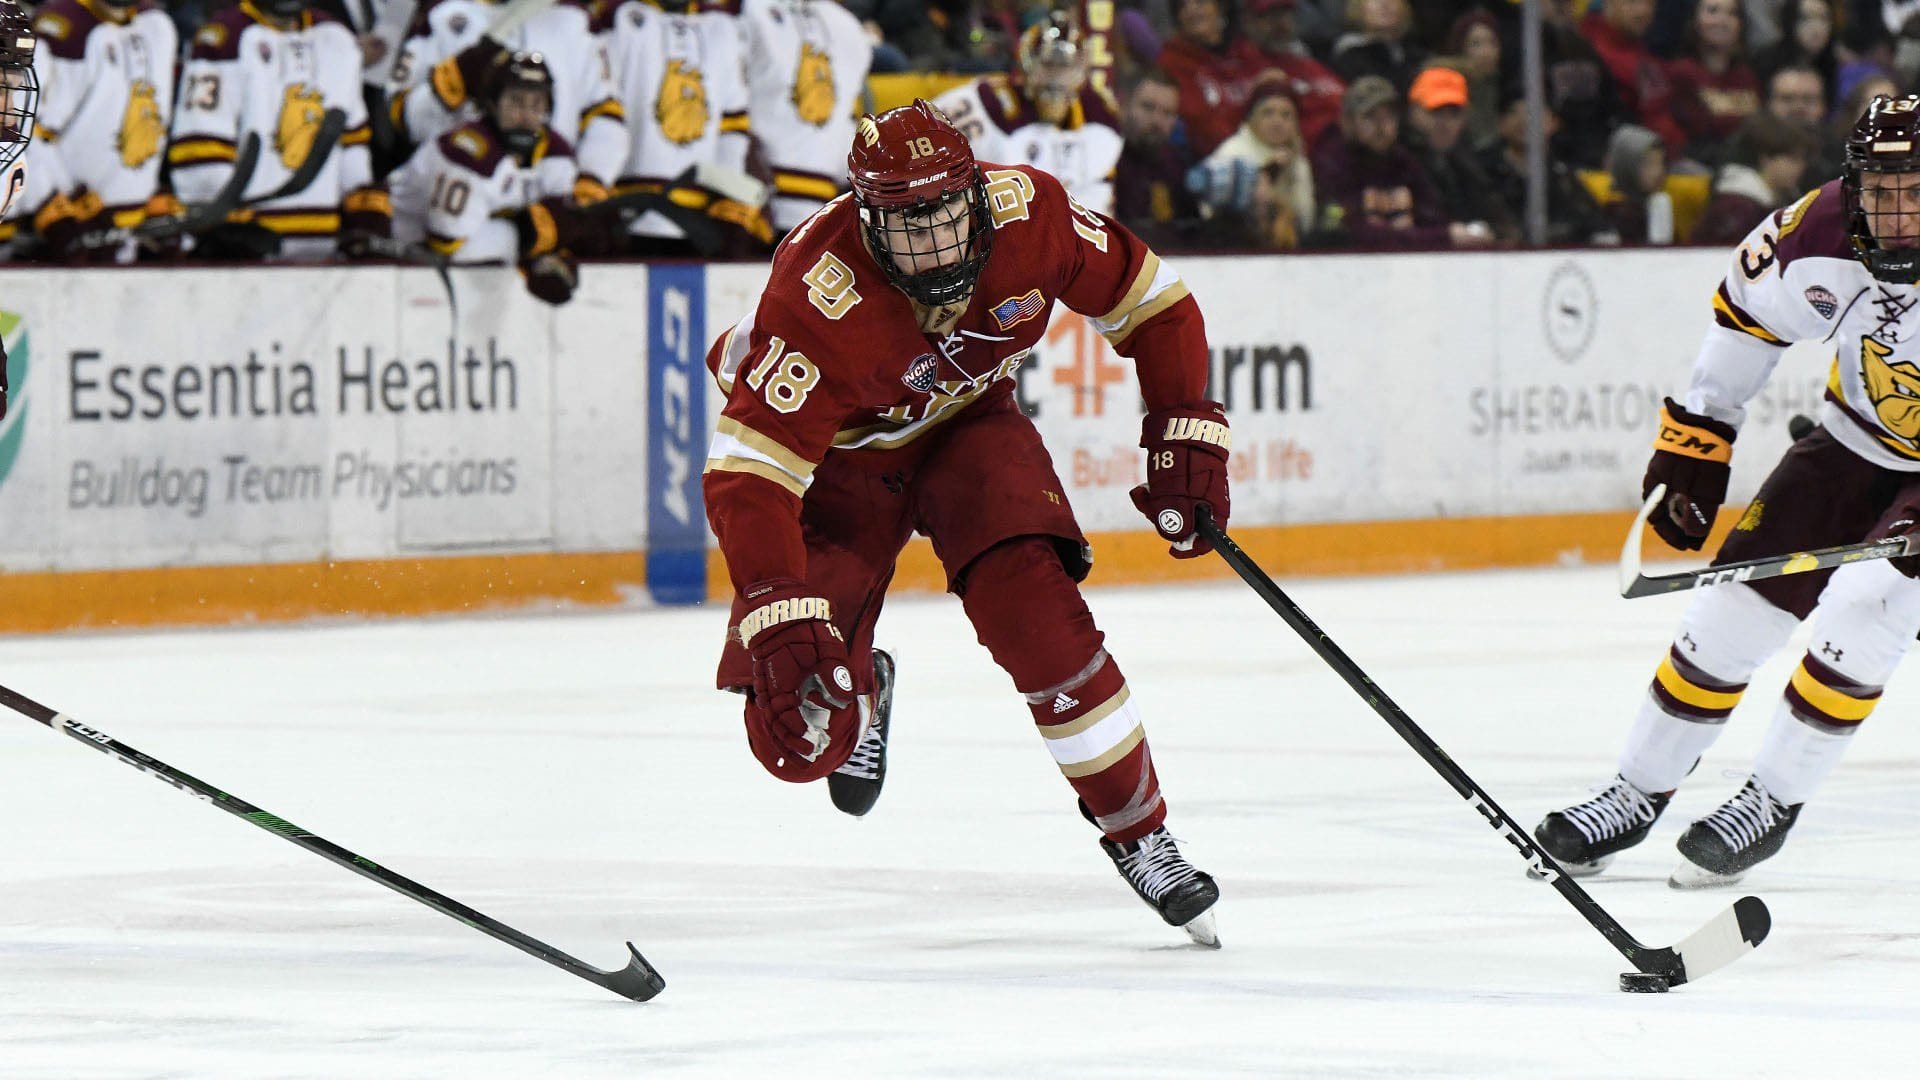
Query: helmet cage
{"type": "Point", "coordinates": [515, 71]}
{"type": "Point", "coordinates": [929, 230]}
{"type": "Point", "coordinates": [1885, 142]}
{"type": "Point", "coordinates": [1053, 66]}
{"type": "Point", "coordinates": [19, 87]}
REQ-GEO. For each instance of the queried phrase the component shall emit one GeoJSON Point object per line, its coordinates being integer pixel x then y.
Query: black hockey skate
{"type": "Point", "coordinates": [1721, 847]}
{"type": "Point", "coordinates": [855, 786]}
{"type": "Point", "coordinates": [1168, 883]}
{"type": "Point", "coordinates": [1586, 836]}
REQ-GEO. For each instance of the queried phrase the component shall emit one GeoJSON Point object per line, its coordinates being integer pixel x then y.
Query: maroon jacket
{"type": "Point", "coordinates": [1640, 77]}
{"type": "Point", "coordinates": [1316, 89]}
{"type": "Point", "coordinates": [1379, 200]}
{"type": "Point", "coordinates": [1214, 87]}
{"type": "Point", "coordinates": [1710, 107]}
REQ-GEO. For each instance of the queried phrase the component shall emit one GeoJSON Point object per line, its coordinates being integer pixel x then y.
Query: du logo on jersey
{"type": "Point", "coordinates": [142, 129]}
{"type": "Point", "coordinates": [300, 113]}
{"type": "Point", "coordinates": [813, 86]}
{"type": "Point", "coordinates": [682, 109]}
{"type": "Point", "coordinates": [1018, 309]}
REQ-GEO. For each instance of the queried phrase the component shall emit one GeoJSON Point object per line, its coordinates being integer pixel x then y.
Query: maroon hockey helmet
{"type": "Point", "coordinates": [516, 71]}
{"type": "Point", "coordinates": [19, 98]}
{"type": "Point", "coordinates": [923, 204]}
{"type": "Point", "coordinates": [1884, 218]}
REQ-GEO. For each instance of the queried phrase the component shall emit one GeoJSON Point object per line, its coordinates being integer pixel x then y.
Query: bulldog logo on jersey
{"type": "Point", "coordinates": [1018, 309]}
{"type": "Point", "coordinates": [920, 372]}
{"type": "Point", "coordinates": [813, 86]}
{"type": "Point", "coordinates": [300, 113]}
{"type": "Point", "coordinates": [142, 129]}
{"type": "Point", "coordinates": [682, 108]}
{"type": "Point", "coordinates": [1894, 389]}
{"type": "Point", "coordinates": [1823, 301]}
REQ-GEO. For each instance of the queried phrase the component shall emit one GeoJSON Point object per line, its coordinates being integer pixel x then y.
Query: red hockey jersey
{"type": "Point", "coordinates": [833, 358]}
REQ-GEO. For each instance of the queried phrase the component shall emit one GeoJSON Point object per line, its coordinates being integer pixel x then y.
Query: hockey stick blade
{"type": "Point", "coordinates": [638, 981]}
{"type": "Point", "coordinates": [1634, 584]}
{"type": "Point", "coordinates": [1719, 943]}
{"type": "Point", "coordinates": [333, 124]}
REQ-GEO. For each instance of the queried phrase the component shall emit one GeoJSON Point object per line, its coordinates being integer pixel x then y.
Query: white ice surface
{"type": "Point", "coordinates": [575, 776]}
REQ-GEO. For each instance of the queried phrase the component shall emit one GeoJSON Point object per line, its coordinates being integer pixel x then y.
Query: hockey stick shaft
{"type": "Point", "coordinates": [515, 13]}
{"type": "Point", "coordinates": [1660, 960]}
{"type": "Point", "coordinates": [1634, 584]}
{"type": "Point", "coordinates": [198, 217]}
{"type": "Point", "coordinates": [333, 124]}
{"type": "Point", "coordinates": [638, 980]}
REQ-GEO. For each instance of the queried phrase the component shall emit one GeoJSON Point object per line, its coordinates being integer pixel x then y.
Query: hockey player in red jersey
{"type": "Point", "coordinates": [870, 395]}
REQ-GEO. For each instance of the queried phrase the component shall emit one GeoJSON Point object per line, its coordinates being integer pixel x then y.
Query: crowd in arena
{"type": "Point", "coordinates": [672, 128]}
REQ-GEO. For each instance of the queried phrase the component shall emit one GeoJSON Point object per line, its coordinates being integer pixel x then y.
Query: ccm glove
{"type": "Point", "coordinates": [1693, 456]}
{"type": "Point", "coordinates": [802, 721]}
{"type": "Point", "coordinates": [1187, 447]}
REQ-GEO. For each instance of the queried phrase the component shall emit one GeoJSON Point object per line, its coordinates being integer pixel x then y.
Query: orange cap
{"type": "Point", "coordinates": [1437, 88]}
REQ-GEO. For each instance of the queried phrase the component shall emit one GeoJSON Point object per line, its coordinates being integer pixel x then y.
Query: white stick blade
{"type": "Point", "coordinates": [1630, 551]}
{"type": "Point", "coordinates": [1731, 935]}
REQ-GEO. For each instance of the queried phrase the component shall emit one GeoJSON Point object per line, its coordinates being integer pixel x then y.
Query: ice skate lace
{"type": "Point", "coordinates": [1157, 866]}
{"type": "Point", "coordinates": [1746, 817]}
{"type": "Point", "coordinates": [1610, 813]}
{"type": "Point", "coordinates": [864, 762]}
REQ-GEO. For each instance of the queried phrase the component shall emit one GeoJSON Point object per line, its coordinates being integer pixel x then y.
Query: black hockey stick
{"type": "Point", "coordinates": [1731, 934]}
{"type": "Point", "coordinates": [1634, 584]}
{"type": "Point", "coordinates": [333, 124]}
{"type": "Point", "coordinates": [638, 980]}
{"type": "Point", "coordinates": [198, 217]}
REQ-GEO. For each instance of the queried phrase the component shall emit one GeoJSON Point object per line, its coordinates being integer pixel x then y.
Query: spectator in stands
{"type": "Point", "coordinates": [1766, 168]}
{"type": "Point", "coordinates": [1377, 43]}
{"type": "Point", "coordinates": [1795, 94]}
{"type": "Point", "coordinates": [1373, 192]}
{"type": "Point", "coordinates": [1618, 34]}
{"type": "Point", "coordinates": [1436, 133]}
{"type": "Point", "coordinates": [1313, 86]}
{"type": "Point", "coordinates": [1580, 88]}
{"type": "Point", "coordinates": [1215, 68]}
{"type": "Point", "coordinates": [1281, 202]}
{"type": "Point", "coordinates": [1149, 186]}
{"type": "Point", "coordinates": [1473, 46]}
{"type": "Point", "coordinates": [1572, 215]}
{"type": "Point", "coordinates": [1858, 83]}
{"type": "Point", "coordinates": [1807, 38]}
{"type": "Point", "coordinates": [1714, 88]}
{"type": "Point", "coordinates": [1641, 209]}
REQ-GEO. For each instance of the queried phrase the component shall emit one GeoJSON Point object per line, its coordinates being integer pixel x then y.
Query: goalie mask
{"type": "Point", "coordinates": [1052, 65]}
{"type": "Point", "coordinates": [19, 98]}
{"type": "Point", "coordinates": [1882, 189]}
{"type": "Point", "coordinates": [923, 207]}
{"type": "Point", "coordinates": [518, 101]}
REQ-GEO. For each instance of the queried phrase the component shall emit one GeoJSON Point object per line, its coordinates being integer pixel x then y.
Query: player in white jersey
{"type": "Point", "coordinates": [447, 52]}
{"type": "Point", "coordinates": [1839, 265]}
{"type": "Point", "coordinates": [498, 189]}
{"type": "Point", "coordinates": [106, 79]}
{"type": "Point", "coordinates": [680, 78]}
{"type": "Point", "coordinates": [807, 63]}
{"type": "Point", "coordinates": [19, 96]}
{"type": "Point", "coordinates": [274, 68]}
{"type": "Point", "coordinates": [1045, 114]}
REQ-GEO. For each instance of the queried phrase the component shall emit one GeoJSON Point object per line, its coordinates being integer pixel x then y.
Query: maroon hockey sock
{"type": "Point", "coordinates": [1031, 617]}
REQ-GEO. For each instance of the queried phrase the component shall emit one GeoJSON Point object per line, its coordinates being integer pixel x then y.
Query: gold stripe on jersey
{"type": "Point", "coordinates": [200, 150]}
{"type": "Point", "coordinates": [757, 468]}
{"type": "Point", "coordinates": [1087, 719]}
{"type": "Point", "coordinates": [1690, 693]}
{"type": "Point", "coordinates": [1105, 761]}
{"type": "Point", "coordinates": [447, 84]}
{"type": "Point", "coordinates": [298, 222]}
{"type": "Point", "coordinates": [793, 463]}
{"type": "Point", "coordinates": [1790, 217]}
{"type": "Point", "coordinates": [359, 136]}
{"type": "Point", "coordinates": [444, 245]}
{"type": "Point", "coordinates": [802, 184]}
{"type": "Point", "coordinates": [1834, 703]}
{"type": "Point", "coordinates": [368, 200]}
{"type": "Point", "coordinates": [609, 108]}
{"type": "Point", "coordinates": [735, 121]}
{"type": "Point", "coordinates": [1144, 314]}
{"type": "Point", "coordinates": [1730, 317]}
{"type": "Point", "coordinates": [1142, 281]}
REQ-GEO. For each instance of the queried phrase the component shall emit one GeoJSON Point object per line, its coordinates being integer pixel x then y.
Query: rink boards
{"type": "Point", "coordinates": [224, 445]}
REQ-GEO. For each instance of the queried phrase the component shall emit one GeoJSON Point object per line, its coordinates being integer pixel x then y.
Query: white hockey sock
{"type": "Point", "coordinates": [1662, 748]}
{"type": "Point", "coordinates": [1796, 756]}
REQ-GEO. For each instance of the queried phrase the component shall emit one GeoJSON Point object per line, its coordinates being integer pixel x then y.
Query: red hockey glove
{"type": "Point", "coordinates": [1187, 448]}
{"type": "Point", "coordinates": [1693, 456]}
{"type": "Point", "coordinates": [802, 720]}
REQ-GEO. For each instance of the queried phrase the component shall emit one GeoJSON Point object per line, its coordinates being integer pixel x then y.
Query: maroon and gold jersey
{"type": "Point", "coordinates": [834, 357]}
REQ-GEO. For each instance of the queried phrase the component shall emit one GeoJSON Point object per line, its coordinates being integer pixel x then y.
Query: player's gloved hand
{"type": "Point", "coordinates": [802, 719]}
{"type": "Point", "coordinates": [552, 277]}
{"type": "Point", "coordinates": [1187, 447]}
{"type": "Point", "coordinates": [65, 219]}
{"type": "Point", "coordinates": [552, 224]}
{"type": "Point", "coordinates": [1693, 456]}
{"type": "Point", "coordinates": [161, 205]}
{"type": "Point", "coordinates": [470, 66]}
{"type": "Point", "coordinates": [366, 215]}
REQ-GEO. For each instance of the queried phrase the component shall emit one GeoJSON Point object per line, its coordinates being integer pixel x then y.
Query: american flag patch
{"type": "Point", "coordinates": [1015, 310]}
